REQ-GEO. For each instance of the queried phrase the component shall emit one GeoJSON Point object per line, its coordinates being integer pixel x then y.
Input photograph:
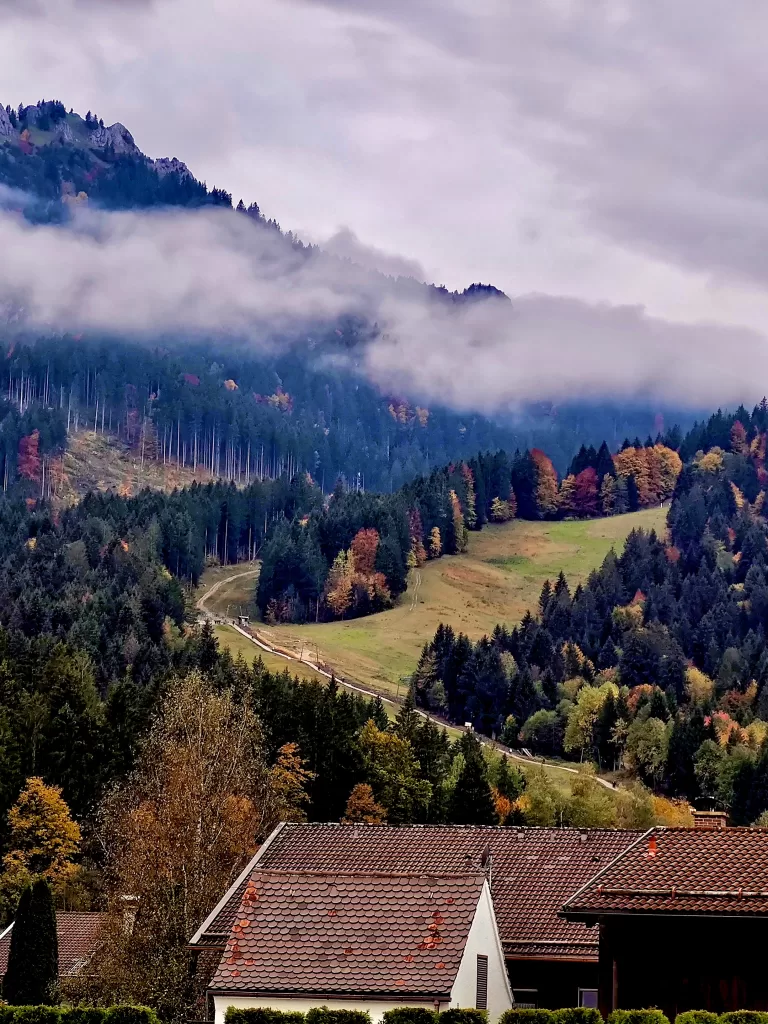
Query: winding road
{"type": "Point", "coordinates": [259, 641]}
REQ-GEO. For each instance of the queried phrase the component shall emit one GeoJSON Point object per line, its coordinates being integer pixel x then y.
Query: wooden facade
{"type": "Point", "coordinates": [553, 984]}
{"type": "Point", "coordinates": [685, 962]}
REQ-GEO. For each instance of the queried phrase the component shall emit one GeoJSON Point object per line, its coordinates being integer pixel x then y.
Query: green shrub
{"type": "Point", "coordinates": [323, 1015]}
{"type": "Point", "coordinates": [36, 1015]}
{"type": "Point", "coordinates": [80, 1015]}
{"type": "Point", "coordinates": [581, 1015]}
{"type": "Point", "coordinates": [526, 1016]}
{"type": "Point", "coordinates": [637, 1017]}
{"type": "Point", "coordinates": [410, 1015]}
{"type": "Point", "coordinates": [744, 1017]}
{"type": "Point", "coordinates": [697, 1017]}
{"type": "Point", "coordinates": [262, 1015]}
{"type": "Point", "coordinates": [130, 1015]}
{"type": "Point", "coordinates": [463, 1017]}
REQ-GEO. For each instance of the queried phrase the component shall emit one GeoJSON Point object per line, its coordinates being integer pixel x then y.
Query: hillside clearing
{"type": "Point", "coordinates": [497, 580]}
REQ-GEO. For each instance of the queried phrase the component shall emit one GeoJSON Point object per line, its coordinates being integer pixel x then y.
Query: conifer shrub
{"type": "Point", "coordinates": [35, 1015]}
{"type": "Point", "coordinates": [638, 1017]}
{"type": "Point", "coordinates": [130, 1015]}
{"type": "Point", "coordinates": [527, 1015]}
{"type": "Point", "coordinates": [79, 1015]}
{"type": "Point", "coordinates": [580, 1015]}
{"type": "Point", "coordinates": [410, 1015]}
{"type": "Point", "coordinates": [744, 1017]}
{"type": "Point", "coordinates": [32, 975]}
{"type": "Point", "coordinates": [324, 1015]}
{"type": "Point", "coordinates": [697, 1017]}
{"type": "Point", "coordinates": [463, 1017]}
{"type": "Point", "coordinates": [262, 1015]}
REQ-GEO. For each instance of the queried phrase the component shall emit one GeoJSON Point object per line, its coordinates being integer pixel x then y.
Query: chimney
{"type": "Point", "coordinates": [710, 819]}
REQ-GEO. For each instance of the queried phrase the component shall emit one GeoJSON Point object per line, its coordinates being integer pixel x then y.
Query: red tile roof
{"type": "Point", "coordinates": [533, 871]}
{"type": "Point", "coordinates": [77, 933]}
{"type": "Point", "coordinates": [682, 871]}
{"type": "Point", "coordinates": [348, 933]}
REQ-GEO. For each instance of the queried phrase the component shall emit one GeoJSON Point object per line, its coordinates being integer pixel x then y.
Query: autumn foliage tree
{"type": "Point", "coordinates": [29, 456]}
{"type": "Point", "coordinates": [177, 833]}
{"type": "Point", "coordinates": [362, 806]}
{"type": "Point", "coordinates": [43, 842]}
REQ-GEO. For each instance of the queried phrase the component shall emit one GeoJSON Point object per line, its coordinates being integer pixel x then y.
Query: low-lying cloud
{"type": "Point", "coordinates": [215, 272]}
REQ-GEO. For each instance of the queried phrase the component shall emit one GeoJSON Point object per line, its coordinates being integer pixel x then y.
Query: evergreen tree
{"type": "Point", "coordinates": [471, 802]}
{"type": "Point", "coordinates": [32, 975]}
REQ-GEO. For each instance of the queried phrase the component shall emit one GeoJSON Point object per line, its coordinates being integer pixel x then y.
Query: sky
{"type": "Point", "coordinates": [581, 155]}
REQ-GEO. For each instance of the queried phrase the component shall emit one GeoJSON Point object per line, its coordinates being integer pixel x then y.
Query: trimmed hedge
{"type": "Point", "coordinates": [527, 1016]}
{"type": "Point", "coordinates": [744, 1017]}
{"type": "Point", "coordinates": [637, 1017]}
{"type": "Point", "coordinates": [260, 1015]}
{"type": "Point", "coordinates": [697, 1017]}
{"type": "Point", "coordinates": [578, 1015]}
{"type": "Point", "coordinates": [323, 1015]}
{"type": "Point", "coordinates": [78, 1015]}
{"type": "Point", "coordinates": [463, 1017]}
{"type": "Point", "coordinates": [410, 1015]}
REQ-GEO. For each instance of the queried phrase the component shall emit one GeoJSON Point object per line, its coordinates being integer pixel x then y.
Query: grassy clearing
{"type": "Point", "coordinates": [236, 591]}
{"type": "Point", "coordinates": [237, 644]}
{"type": "Point", "coordinates": [497, 580]}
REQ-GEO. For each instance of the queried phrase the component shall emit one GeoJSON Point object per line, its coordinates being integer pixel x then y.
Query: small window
{"type": "Point", "coordinates": [588, 997]}
{"type": "Point", "coordinates": [526, 998]}
{"type": "Point", "coordinates": [481, 999]}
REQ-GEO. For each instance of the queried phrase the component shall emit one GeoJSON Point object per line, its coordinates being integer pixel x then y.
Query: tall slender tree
{"type": "Point", "coordinates": [32, 975]}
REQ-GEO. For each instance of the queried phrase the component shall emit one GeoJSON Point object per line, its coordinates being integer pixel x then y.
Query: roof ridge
{"type": "Point", "coordinates": [297, 872]}
{"type": "Point", "coordinates": [607, 867]}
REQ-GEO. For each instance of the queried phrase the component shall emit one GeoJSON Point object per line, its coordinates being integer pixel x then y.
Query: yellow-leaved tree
{"type": "Point", "coordinates": [43, 842]}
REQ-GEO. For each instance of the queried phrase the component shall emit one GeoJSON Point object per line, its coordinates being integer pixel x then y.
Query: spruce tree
{"type": "Point", "coordinates": [32, 975]}
{"type": "Point", "coordinates": [471, 801]}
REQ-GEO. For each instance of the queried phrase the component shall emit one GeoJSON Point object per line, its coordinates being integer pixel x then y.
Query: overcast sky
{"type": "Point", "coordinates": [610, 152]}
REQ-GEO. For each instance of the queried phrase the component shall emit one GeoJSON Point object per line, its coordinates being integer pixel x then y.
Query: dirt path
{"type": "Point", "coordinates": [259, 641]}
{"type": "Point", "coordinates": [200, 605]}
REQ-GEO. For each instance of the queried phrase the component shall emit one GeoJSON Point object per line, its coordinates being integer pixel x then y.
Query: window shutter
{"type": "Point", "coordinates": [481, 1000]}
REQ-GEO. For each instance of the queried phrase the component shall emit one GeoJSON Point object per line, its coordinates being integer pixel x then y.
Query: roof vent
{"type": "Point", "coordinates": [710, 819]}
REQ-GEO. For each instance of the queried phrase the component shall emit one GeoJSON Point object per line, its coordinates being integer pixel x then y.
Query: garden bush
{"type": "Point", "coordinates": [527, 1016]}
{"type": "Point", "coordinates": [410, 1015]}
{"type": "Point", "coordinates": [638, 1017]}
{"type": "Point", "coordinates": [697, 1017]}
{"type": "Point", "coordinates": [578, 1015]}
{"type": "Point", "coordinates": [744, 1017]}
{"type": "Point", "coordinates": [81, 1015]}
{"type": "Point", "coordinates": [130, 1015]}
{"type": "Point", "coordinates": [263, 1015]}
{"type": "Point", "coordinates": [35, 1015]}
{"type": "Point", "coordinates": [323, 1015]}
{"type": "Point", "coordinates": [463, 1017]}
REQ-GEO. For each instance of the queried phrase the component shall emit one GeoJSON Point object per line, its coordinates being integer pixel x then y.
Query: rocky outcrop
{"type": "Point", "coordinates": [63, 131]}
{"type": "Point", "coordinates": [117, 135]}
{"type": "Point", "coordinates": [166, 165]}
{"type": "Point", "coordinates": [7, 130]}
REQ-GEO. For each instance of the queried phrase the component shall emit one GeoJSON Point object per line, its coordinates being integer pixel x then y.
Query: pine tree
{"type": "Point", "coordinates": [407, 718]}
{"type": "Point", "coordinates": [32, 975]}
{"type": "Point", "coordinates": [472, 801]}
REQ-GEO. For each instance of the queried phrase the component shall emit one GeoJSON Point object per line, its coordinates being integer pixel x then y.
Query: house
{"type": "Point", "coordinates": [77, 933]}
{"type": "Point", "coordinates": [362, 940]}
{"type": "Point", "coordinates": [528, 875]}
{"type": "Point", "coordinates": [682, 919]}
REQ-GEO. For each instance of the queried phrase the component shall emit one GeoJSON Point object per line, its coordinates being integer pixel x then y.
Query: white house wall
{"type": "Point", "coordinates": [483, 940]}
{"type": "Point", "coordinates": [376, 1008]}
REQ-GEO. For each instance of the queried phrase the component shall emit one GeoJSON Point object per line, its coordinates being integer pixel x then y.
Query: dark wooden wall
{"type": "Point", "coordinates": [679, 964]}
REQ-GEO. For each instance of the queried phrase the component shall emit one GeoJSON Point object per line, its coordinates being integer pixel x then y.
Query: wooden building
{"type": "Point", "coordinates": [682, 919]}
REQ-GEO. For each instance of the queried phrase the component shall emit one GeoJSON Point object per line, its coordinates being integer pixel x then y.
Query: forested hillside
{"type": "Point", "coordinates": [255, 406]}
{"type": "Point", "coordinates": [659, 664]}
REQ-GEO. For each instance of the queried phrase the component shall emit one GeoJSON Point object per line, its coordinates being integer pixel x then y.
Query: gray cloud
{"type": "Point", "coordinates": [608, 155]}
{"type": "Point", "coordinates": [347, 246]}
{"type": "Point", "coordinates": [216, 271]}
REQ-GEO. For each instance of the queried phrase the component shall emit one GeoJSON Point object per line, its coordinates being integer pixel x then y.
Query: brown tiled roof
{"type": "Point", "coordinates": [533, 871]}
{"type": "Point", "coordinates": [344, 933]}
{"type": "Point", "coordinates": [77, 933]}
{"type": "Point", "coordinates": [682, 871]}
